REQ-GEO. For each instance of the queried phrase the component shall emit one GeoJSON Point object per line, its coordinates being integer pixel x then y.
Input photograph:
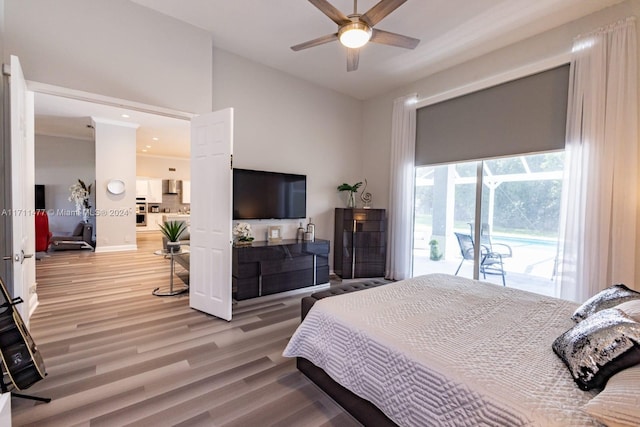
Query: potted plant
{"type": "Point", "coordinates": [172, 230]}
{"type": "Point", "coordinates": [242, 233]}
{"type": "Point", "coordinates": [352, 189]}
{"type": "Point", "coordinates": [434, 253]}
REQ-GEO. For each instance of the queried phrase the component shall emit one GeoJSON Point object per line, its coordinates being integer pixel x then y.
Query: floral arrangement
{"type": "Point", "coordinates": [242, 231]}
{"type": "Point", "coordinates": [80, 194]}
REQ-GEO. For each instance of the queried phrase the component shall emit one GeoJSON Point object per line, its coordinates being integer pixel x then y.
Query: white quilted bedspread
{"type": "Point", "coordinates": [441, 350]}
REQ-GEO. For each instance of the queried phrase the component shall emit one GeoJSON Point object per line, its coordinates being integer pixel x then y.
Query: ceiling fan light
{"type": "Point", "coordinates": [354, 35]}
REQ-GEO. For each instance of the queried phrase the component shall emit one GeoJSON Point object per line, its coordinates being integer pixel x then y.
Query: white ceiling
{"type": "Point", "coordinates": [451, 32]}
{"type": "Point", "coordinates": [65, 117]}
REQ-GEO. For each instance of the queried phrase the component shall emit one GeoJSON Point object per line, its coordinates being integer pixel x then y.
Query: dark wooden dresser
{"type": "Point", "coordinates": [268, 268]}
{"type": "Point", "coordinates": [360, 247]}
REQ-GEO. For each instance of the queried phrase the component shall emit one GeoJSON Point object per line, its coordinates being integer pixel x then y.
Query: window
{"type": "Point", "coordinates": [519, 218]}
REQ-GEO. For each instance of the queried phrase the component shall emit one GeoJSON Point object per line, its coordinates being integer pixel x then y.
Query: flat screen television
{"type": "Point", "coordinates": [268, 195]}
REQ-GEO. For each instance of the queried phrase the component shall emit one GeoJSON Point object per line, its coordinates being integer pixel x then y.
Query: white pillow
{"type": "Point", "coordinates": [631, 308]}
{"type": "Point", "coordinates": [619, 403]}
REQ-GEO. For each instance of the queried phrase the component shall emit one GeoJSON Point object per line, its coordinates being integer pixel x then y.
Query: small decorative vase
{"type": "Point", "coordinates": [243, 243]}
{"type": "Point", "coordinates": [173, 247]}
{"type": "Point", "coordinates": [351, 201]}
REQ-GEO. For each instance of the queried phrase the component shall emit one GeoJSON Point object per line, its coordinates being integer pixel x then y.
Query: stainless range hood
{"type": "Point", "coordinates": [172, 186]}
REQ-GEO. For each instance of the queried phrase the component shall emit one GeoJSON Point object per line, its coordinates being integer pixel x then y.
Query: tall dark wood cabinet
{"type": "Point", "coordinates": [267, 268]}
{"type": "Point", "coordinates": [360, 245]}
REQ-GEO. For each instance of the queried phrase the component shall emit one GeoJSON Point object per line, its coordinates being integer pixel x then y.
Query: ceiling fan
{"type": "Point", "coordinates": [355, 30]}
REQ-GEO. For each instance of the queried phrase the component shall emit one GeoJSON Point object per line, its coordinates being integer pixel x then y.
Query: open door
{"type": "Point", "coordinates": [210, 262]}
{"type": "Point", "coordinates": [22, 208]}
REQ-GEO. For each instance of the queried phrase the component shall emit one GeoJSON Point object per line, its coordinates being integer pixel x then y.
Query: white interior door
{"type": "Point", "coordinates": [211, 197]}
{"type": "Point", "coordinates": [22, 190]}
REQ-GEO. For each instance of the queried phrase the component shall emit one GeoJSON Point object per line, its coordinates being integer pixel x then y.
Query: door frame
{"type": "Point", "coordinates": [45, 88]}
{"type": "Point", "coordinates": [5, 153]}
{"type": "Point", "coordinates": [6, 224]}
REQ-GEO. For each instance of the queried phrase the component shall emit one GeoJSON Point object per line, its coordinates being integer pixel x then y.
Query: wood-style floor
{"type": "Point", "coordinates": [118, 356]}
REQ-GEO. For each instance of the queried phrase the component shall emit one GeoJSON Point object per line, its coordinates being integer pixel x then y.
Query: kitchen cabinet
{"type": "Point", "coordinates": [142, 187]}
{"type": "Point", "coordinates": [153, 221]}
{"type": "Point", "coordinates": [154, 192]}
{"type": "Point", "coordinates": [186, 192]}
{"type": "Point", "coordinates": [149, 188]}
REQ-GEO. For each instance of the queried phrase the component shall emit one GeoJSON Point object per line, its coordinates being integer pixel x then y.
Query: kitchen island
{"type": "Point", "coordinates": [176, 217]}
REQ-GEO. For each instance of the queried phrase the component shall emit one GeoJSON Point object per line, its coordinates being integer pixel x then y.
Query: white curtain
{"type": "Point", "coordinates": [599, 198]}
{"type": "Point", "coordinates": [401, 189]}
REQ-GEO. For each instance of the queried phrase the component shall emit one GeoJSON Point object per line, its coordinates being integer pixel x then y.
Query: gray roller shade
{"type": "Point", "coordinates": [522, 116]}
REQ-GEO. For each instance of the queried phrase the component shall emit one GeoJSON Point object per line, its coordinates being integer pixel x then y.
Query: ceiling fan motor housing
{"type": "Point", "coordinates": [354, 34]}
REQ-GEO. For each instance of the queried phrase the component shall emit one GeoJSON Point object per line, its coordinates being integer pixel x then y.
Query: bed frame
{"type": "Point", "coordinates": [361, 409]}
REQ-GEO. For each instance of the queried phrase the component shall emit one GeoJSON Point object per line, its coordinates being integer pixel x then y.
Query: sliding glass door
{"type": "Point", "coordinates": [518, 220]}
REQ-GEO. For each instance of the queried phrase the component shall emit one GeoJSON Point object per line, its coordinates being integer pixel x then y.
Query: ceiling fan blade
{"type": "Point", "coordinates": [353, 57]}
{"type": "Point", "coordinates": [315, 42]}
{"type": "Point", "coordinates": [328, 9]}
{"type": "Point", "coordinates": [393, 39]}
{"type": "Point", "coordinates": [380, 10]}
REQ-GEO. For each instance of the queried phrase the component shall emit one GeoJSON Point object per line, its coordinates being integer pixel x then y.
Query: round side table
{"type": "Point", "coordinates": [171, 254]}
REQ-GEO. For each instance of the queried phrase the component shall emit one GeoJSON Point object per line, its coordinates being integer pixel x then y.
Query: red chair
{"type": "Point", "coordinates": [43, 235]}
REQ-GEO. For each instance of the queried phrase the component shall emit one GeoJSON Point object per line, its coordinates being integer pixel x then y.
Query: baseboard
{"type": "Point", "coordinates": [120, 248]}
{"type": "Point", "coordinates": [5, 409]}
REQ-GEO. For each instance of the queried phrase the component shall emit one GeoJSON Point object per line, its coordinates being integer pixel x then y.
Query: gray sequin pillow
{"type": "Point", "coordinates": [606, 298]}
{"type": "Point", "coordinates": [599, 346]}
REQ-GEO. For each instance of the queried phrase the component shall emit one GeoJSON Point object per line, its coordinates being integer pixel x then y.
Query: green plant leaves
{"type": "Point", "coordinates": [173, 230]}
{"type": "Point", "coordinates": [346, 187]}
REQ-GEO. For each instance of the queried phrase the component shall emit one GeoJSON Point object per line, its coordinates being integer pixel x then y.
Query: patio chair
{"type": "Point", "coordinates": [485, 239]}
{"type": "Point", "coordinates": [490, 262]}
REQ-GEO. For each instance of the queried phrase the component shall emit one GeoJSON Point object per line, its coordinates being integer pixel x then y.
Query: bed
{"type": "Point", "coordinates": [448, 351]}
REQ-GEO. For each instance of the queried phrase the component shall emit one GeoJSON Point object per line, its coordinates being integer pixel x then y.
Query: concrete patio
{"type": "Point", "coordinates": [531, 268]}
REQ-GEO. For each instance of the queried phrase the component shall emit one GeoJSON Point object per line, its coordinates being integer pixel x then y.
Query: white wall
{"type": "Point", "coordinates": [114, 48]}
{"type": "Point", "coordinates": [285, 124]}
{"type": "Point", "coordinates": [115, 159]}
{"type": "Point", "coordinates": [123, 50]}
{"type": "Point", "coordinates": [59, 163]}
{"type": "Point", "coordinates": [158, 167]}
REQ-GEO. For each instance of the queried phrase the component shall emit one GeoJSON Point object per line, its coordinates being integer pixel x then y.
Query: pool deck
{"type": "Point", "coordinates": [531, 268]}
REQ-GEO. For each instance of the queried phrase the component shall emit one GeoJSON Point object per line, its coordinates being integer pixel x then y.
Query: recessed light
{"type": "Point", "coordinates": [148, 146]}
{"type": "Point", "coordinates": [144, 150]}
{"type": "Point", "coordinates": [126, 116]}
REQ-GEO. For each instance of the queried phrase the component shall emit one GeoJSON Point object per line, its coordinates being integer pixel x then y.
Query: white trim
{"type": "Point", "coordinates": [100, 120]}
{"type": "Point", "coordinates": [5, 409]}
{"type": "Point", "coordinates": [106, 100]}
{"type": "Point", "coordinates": [33, 304]}
{"type": "Point", "coordinates": [518, 73]}
{"type": "Point", "coordinates": [64, 135]}
{"type": "Point", "coordinates": [118, 248]}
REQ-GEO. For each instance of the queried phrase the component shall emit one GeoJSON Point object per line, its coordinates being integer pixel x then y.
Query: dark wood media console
{"type": "Point", "coordinates": [267, 268]}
